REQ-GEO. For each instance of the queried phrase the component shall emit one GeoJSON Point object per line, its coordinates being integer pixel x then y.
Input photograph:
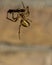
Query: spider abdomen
{"type": "Point", "coordinates": [25, 23]}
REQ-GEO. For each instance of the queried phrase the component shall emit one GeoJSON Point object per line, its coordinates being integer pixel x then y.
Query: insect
{"type": "Point", "coordinates": [22, 13]}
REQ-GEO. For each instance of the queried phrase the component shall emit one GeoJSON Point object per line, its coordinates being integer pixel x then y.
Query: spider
{"type": "Point", "coordinates": [22, 13]}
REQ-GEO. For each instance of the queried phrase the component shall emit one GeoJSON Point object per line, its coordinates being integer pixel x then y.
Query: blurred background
{"type": "Point", "coordinates": [40, 30]}
{"type": "Point", "coordinates": [38, 34]}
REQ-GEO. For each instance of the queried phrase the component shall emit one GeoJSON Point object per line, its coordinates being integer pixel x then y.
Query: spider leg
{"type": "Point", "coordinates": [19, 30]}
{"type": "Point", "coordinates": [13, 15]}
{"type": "Point", "coordinates": [23, 4]}
{"type": "Point", "coordinates": [9, 18]}
{"type": "Point", "coordinates": [7, 15]}
{"type": "Point", "coordinates": [15, 19]}
{"type": "Point", "coordinates": [29, 20]}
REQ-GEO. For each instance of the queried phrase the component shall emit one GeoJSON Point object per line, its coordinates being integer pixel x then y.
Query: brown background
{"type": "Point", "coordinates": [40, 31]}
